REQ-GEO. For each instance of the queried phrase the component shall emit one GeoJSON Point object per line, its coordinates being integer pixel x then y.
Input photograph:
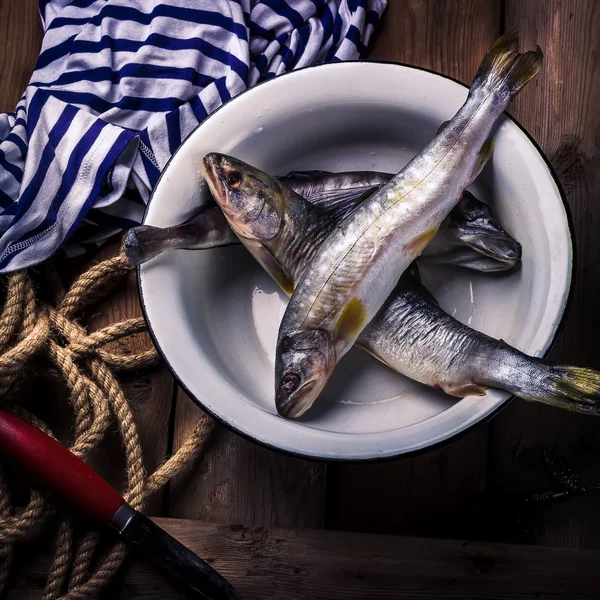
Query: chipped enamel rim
{"type": "Point", "coordinates": [295, 437]}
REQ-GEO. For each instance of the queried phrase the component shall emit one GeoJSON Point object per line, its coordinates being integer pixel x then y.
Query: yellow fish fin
{"type": "Point", "coordinates": [352, 320]}
{"type": "Point", "coordinates": [443, 126]}
{"type": "Point", "coordinates": [370, 352]}
{"type": "Point", "coordinates": [418, 244]}
{"type": "Point", "coordinates": [285, 282]}
{"type": "Point", "coordinates": [274, 269]}
{"type": "Point", "coordinates": [467, 389]}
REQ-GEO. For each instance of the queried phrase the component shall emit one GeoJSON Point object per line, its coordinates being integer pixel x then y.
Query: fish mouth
{"type": "Point", "coordinates": [497, 245]}
{"type": "Point", "coordinates": [293, 407]}
{"type": "Point", "coordinates": [212, 167]}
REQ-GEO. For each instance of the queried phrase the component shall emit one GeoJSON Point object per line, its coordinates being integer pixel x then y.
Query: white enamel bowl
{"type": "Point", "coordinates": [214, 314]}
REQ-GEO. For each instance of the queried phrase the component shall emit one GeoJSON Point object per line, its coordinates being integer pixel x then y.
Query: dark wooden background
{"type": "Point", "coordinates": [468, 488]}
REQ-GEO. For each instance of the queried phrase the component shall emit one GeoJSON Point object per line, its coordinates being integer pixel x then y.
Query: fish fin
{"type": "Point", "coordinates": [418, 244]}
{"type": "Point", "coordinates": [575, 389]}
{"type": "Point", "coordinates": [273, 267]}
{"type": "Point", "coordinates": [370, 352]}
{"type": "Point", "coordinates": [504, 70]}
{"type": "Point", "coordinates": [442, 127]}
{"type": "Point", "coordinates": [482, 157]}
{"type": "Point", "coordinates": [206, 229]}
{"type": "Point", "coordinates": [339, 203]}
{"type": "Point", "coordinates": [303, 174]}
{"type": "Point", "coordinates": [464, 390]}
{"type": "Point", "coordinates": [140, 245]}
{"type": "Point", "coordinates": [469, 259]}
{"type": "Point", "coordinates": [352, 320]}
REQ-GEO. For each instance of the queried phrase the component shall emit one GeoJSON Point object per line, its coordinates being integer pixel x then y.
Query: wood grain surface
{"type": "Point", "coordinates": [561, 109]}
{"type": "Point", "coordinates": [284, 564]}
{"type": "Point", "coordinates": [433, 493]}
{"type": "Point", "coordinates": [241, 482]}
{"type": "Point", "coordinates": [20, 41]}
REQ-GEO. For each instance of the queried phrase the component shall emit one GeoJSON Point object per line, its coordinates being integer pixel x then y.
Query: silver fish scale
{"type": "Point", "coordinates": [366, 254]}
{"type": "Point", "coordinates": [416, 333]}
{"type": "Point", "coordinates": [422, 342]}
{"type": "Point", "coordinates": [377, 237]}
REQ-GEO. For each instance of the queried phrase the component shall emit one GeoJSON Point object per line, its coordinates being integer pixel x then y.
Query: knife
{"type": "Point", "coordinates": [66, 475]}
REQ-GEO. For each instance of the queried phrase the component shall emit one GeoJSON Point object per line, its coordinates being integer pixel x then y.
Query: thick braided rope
{"type": "Point", "coordinates": [94, 284]}
{"type": "Point", "coordinates": [59, 570]}
{"type": "Point", "coordinates": [12, 308]}
{"type": "Point", "coordinates": [30, 329]}
{"type": "Point", "coordinates": [81, 344]}
{"type": "Point", "coordinates": [83, 560]}
{"type": "Point", "coordinates": [190, 449]}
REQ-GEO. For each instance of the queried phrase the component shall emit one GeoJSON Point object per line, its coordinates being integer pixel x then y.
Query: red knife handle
{"type": "Point", "coordinates": [57, 469]}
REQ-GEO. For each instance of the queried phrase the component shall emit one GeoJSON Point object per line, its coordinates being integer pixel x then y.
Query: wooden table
{"type": "Point", "coordinates": [464, 489]}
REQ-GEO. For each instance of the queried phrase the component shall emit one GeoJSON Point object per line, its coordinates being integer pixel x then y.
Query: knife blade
{"type": "Point", "coordinates": [61, 472]}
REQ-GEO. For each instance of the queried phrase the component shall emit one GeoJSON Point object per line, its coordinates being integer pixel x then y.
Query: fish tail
{"type": "Point", "coordinates": [571, 388]}
{"type": "Point", "coordinates": [144, 243]}
{"type": "Point", "coordinates": [206, 229]}
{"type": "Point", "coordinates": [504, 70]}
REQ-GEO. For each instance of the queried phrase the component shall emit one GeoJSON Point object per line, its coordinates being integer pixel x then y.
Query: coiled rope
{"type": "Point", "coordinates": [30, 329]}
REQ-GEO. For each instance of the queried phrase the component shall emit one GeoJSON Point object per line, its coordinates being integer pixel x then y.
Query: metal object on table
{"type": "Point", "coordinates": [569, 479]}
{"type": "Point", "coordinates": [63, 473]}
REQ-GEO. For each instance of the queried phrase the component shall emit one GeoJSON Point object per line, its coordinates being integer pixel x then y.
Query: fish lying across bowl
{"type": "Point", "coordinates": [410, 333]}
{"type": "Point", "coordinates": [360, 262]}
{"type": "Point", "coordinates": [214, 315]}
{"type": "Point", "coordinates": [291, 224]}
{"type": "Point", "coordinates": [469, 237]}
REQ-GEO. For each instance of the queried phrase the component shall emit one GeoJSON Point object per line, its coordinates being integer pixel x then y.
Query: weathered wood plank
{"type": "Point", "coordinates": [327, 565]}
{"type": "Point", "coordinates": [561, 109]}
{"type": "Point", "coordinates": [431, 494]}
{"type": "Point", "coordinates": [20, 41]}
{"type": "Point", "coordinates": [238, 481]}
{"type": "Point", "coordinates": [448, 36]}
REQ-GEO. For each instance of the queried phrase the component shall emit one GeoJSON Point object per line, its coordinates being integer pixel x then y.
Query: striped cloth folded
{"type": "Point", "coordinates": [120, 83]}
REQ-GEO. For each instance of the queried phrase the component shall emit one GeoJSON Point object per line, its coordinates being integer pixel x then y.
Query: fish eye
{"type": "Point", "coordinates": [234, 179]}
{"type": "Point", "coordinates": [290, 382]}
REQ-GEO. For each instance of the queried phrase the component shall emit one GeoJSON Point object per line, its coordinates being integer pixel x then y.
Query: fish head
{"type": "Point", "coordinates": [252, 200]}
{"type": "Point", "coordinates": [473, 225]}
{"type": "Point", "coordinates": [304, 362]}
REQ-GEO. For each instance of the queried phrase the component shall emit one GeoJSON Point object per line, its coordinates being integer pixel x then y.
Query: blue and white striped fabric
{"type": "Point", "coordinates": [117, 87]}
